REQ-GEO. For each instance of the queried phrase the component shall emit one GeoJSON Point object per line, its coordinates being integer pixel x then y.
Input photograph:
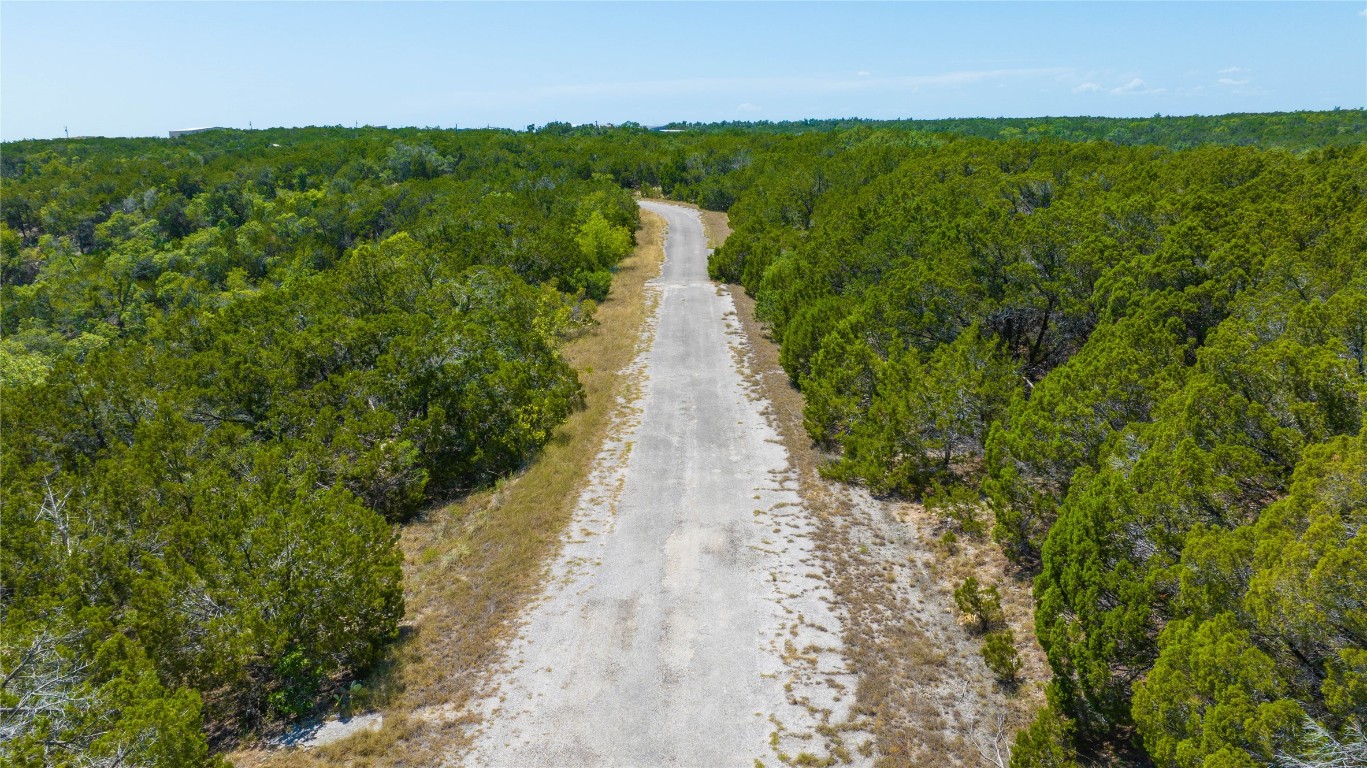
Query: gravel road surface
{"type": "Point", "coordinates": [685, 621]}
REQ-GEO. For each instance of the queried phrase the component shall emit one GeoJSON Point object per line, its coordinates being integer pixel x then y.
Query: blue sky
{"type": "Point", "coordinates": [140, 69]}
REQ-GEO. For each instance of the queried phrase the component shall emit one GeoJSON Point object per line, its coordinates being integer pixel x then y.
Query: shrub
{"type": "Point", "coordinates": [980, 606]}
{"type": "Point", "coordinates": [999, 652]}
{"type": "Point", "coordinates": [1047, 743]}
{"type": "Point", "coordinates": [299, 685]}
{"type": "Point", "coordinates": [957, 507]}
{"type": "Point", "coordinates": [594, 283]}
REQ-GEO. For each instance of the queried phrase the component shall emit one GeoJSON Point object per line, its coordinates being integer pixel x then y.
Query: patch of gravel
{"type": "Point", "coordinates": [317, 734]}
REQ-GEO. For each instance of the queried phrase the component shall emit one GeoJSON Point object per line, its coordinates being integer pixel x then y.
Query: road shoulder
{"type": "Point", "coordinates": [923, 690]}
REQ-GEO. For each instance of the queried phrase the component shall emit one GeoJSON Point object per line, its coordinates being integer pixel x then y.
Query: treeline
{"type": "Point", "coordinates": [227, 369]}
{"type": "Point", "coordinates": [1288, 130]}
{"type": "Point", "coordinates": [1149, 367]}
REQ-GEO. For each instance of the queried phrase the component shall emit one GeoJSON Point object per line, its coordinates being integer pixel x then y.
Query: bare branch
{"type": "Point", "coordinates": [1322, 749]}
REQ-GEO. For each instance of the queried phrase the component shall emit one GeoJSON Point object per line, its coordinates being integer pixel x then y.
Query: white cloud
{"type": "Point", "coordinates": [747, 107]}
{"type": "Point", "coordinates": [862, 73]}
{"type": "Point", "coordinates": [1231, 81]}
{"type": "Point", "coordinates": [1232, 70]}
{"type": "Point", "coordinates": [965, 78]}
{"type": "Point", "coordinates": [1088, 88]}
{"type": "Point", "coordinates": [1136, 86]}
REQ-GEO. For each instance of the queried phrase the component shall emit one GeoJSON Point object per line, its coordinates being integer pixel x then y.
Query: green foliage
{"type": "Point", "coordinates": [924, 416]}
{"type": "Point", "coordinates": [227, 367]}
{"type": "Point", "coordinates": [841, 383]}
{"type": "Point", "coordinates": [1213, 695]}
{"type": "Point", "coordinates": [982, 606]}
{"type": "Point", "coordinates": [958, 506]}
{"type": "Point", "coordinates": [1147, 364]}
{"type": "Point", "coordinates": [421, 162]}
{"type": "Point", "coordinates": [61, 710]}
{"type": "Point", "coordinates": [1001, 657]}
{"type": "Point", "coordinates": [601, 244]}
{"type": "Point", "coordinates": [299, 685]}
{"type": "Point", "coordinates": [1067, 418]}
{"type": "Point", "coordinates": [1046, 743]}
{"type": "Point", "coordinates": [228, 362]}
{"type": "Point", "coordinates": [1292, 130]}
{"type": "Point", "coordinates": [1345, 684]}
{"type": "Point", "coordinates": [804, 334]}
{"type": "Point", "coordinates": [21, 366]}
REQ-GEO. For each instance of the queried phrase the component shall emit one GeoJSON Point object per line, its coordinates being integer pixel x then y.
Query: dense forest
{"type": "Point", "coordinates": [1287, 130]}
{"type": "Point", "coordinates": [232, 362]}
{"type": "Point", "coordinates": [228, 369]}
{"type": "Point", "coordinates": [1149, 367]}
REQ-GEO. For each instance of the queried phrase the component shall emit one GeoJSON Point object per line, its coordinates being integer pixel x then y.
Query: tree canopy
{"type": "Point", "coordinates": [232, 362]}
{"type": "Point", "coordinates": [1148, 364]}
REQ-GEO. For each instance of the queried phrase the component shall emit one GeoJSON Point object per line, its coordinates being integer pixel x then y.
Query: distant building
{"type": "Point", "coordinates": [188, 131]}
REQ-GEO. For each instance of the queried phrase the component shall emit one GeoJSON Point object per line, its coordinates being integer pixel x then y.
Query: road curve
{"type": "Point", "coordinates": [685, 621]}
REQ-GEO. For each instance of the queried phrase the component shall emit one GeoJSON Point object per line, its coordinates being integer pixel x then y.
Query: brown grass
{"type": "Point", "coordinates": [470, 566]}
{"type": "Point", "coordinates": [979, 557]}
{"type": "Point", "coordinates": [715, 224]}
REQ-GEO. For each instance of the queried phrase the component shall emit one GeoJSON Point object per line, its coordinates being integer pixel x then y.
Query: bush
{"type": "Point", "coordinates": [950, 541]}
{"type": "Point", "coordinates": [594, 283]}
{"type": "Point", "coordinates": [980, 606]}
{"type": "Point", "coordinates": [957, 507]}
{"type": "Point", "coordinates": [999, 652]}
{"type": "Point", "coordinates": [299, 686]}
{"type": "Point", "coordinates": [1047, 743]}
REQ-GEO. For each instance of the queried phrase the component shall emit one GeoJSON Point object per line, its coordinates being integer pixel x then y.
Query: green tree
{"type": "Point", "coordinates": [1000, 655]}
{"type": "Point", "coordinates": [1046, 743]}
{"type": "Point", "coordinates": [978, 604]}
{"type": "Point", "coordinates": [923, 417]}
{"type": "Point", "coordinates": [1213, 696]}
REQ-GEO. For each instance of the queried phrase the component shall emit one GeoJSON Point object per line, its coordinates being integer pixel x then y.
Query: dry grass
{"type": "Point", "coordinates": [923, 691]}
{"type": "Point", "coordinates": [470, 566]}
{"type": "Point", "coordinates": [715, 224]}
{"type": "Point", "coordinates": [979, 557]}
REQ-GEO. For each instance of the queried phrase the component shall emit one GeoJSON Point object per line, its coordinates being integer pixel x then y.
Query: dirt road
{"type": "Point", "coordinates": [685, 621]}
